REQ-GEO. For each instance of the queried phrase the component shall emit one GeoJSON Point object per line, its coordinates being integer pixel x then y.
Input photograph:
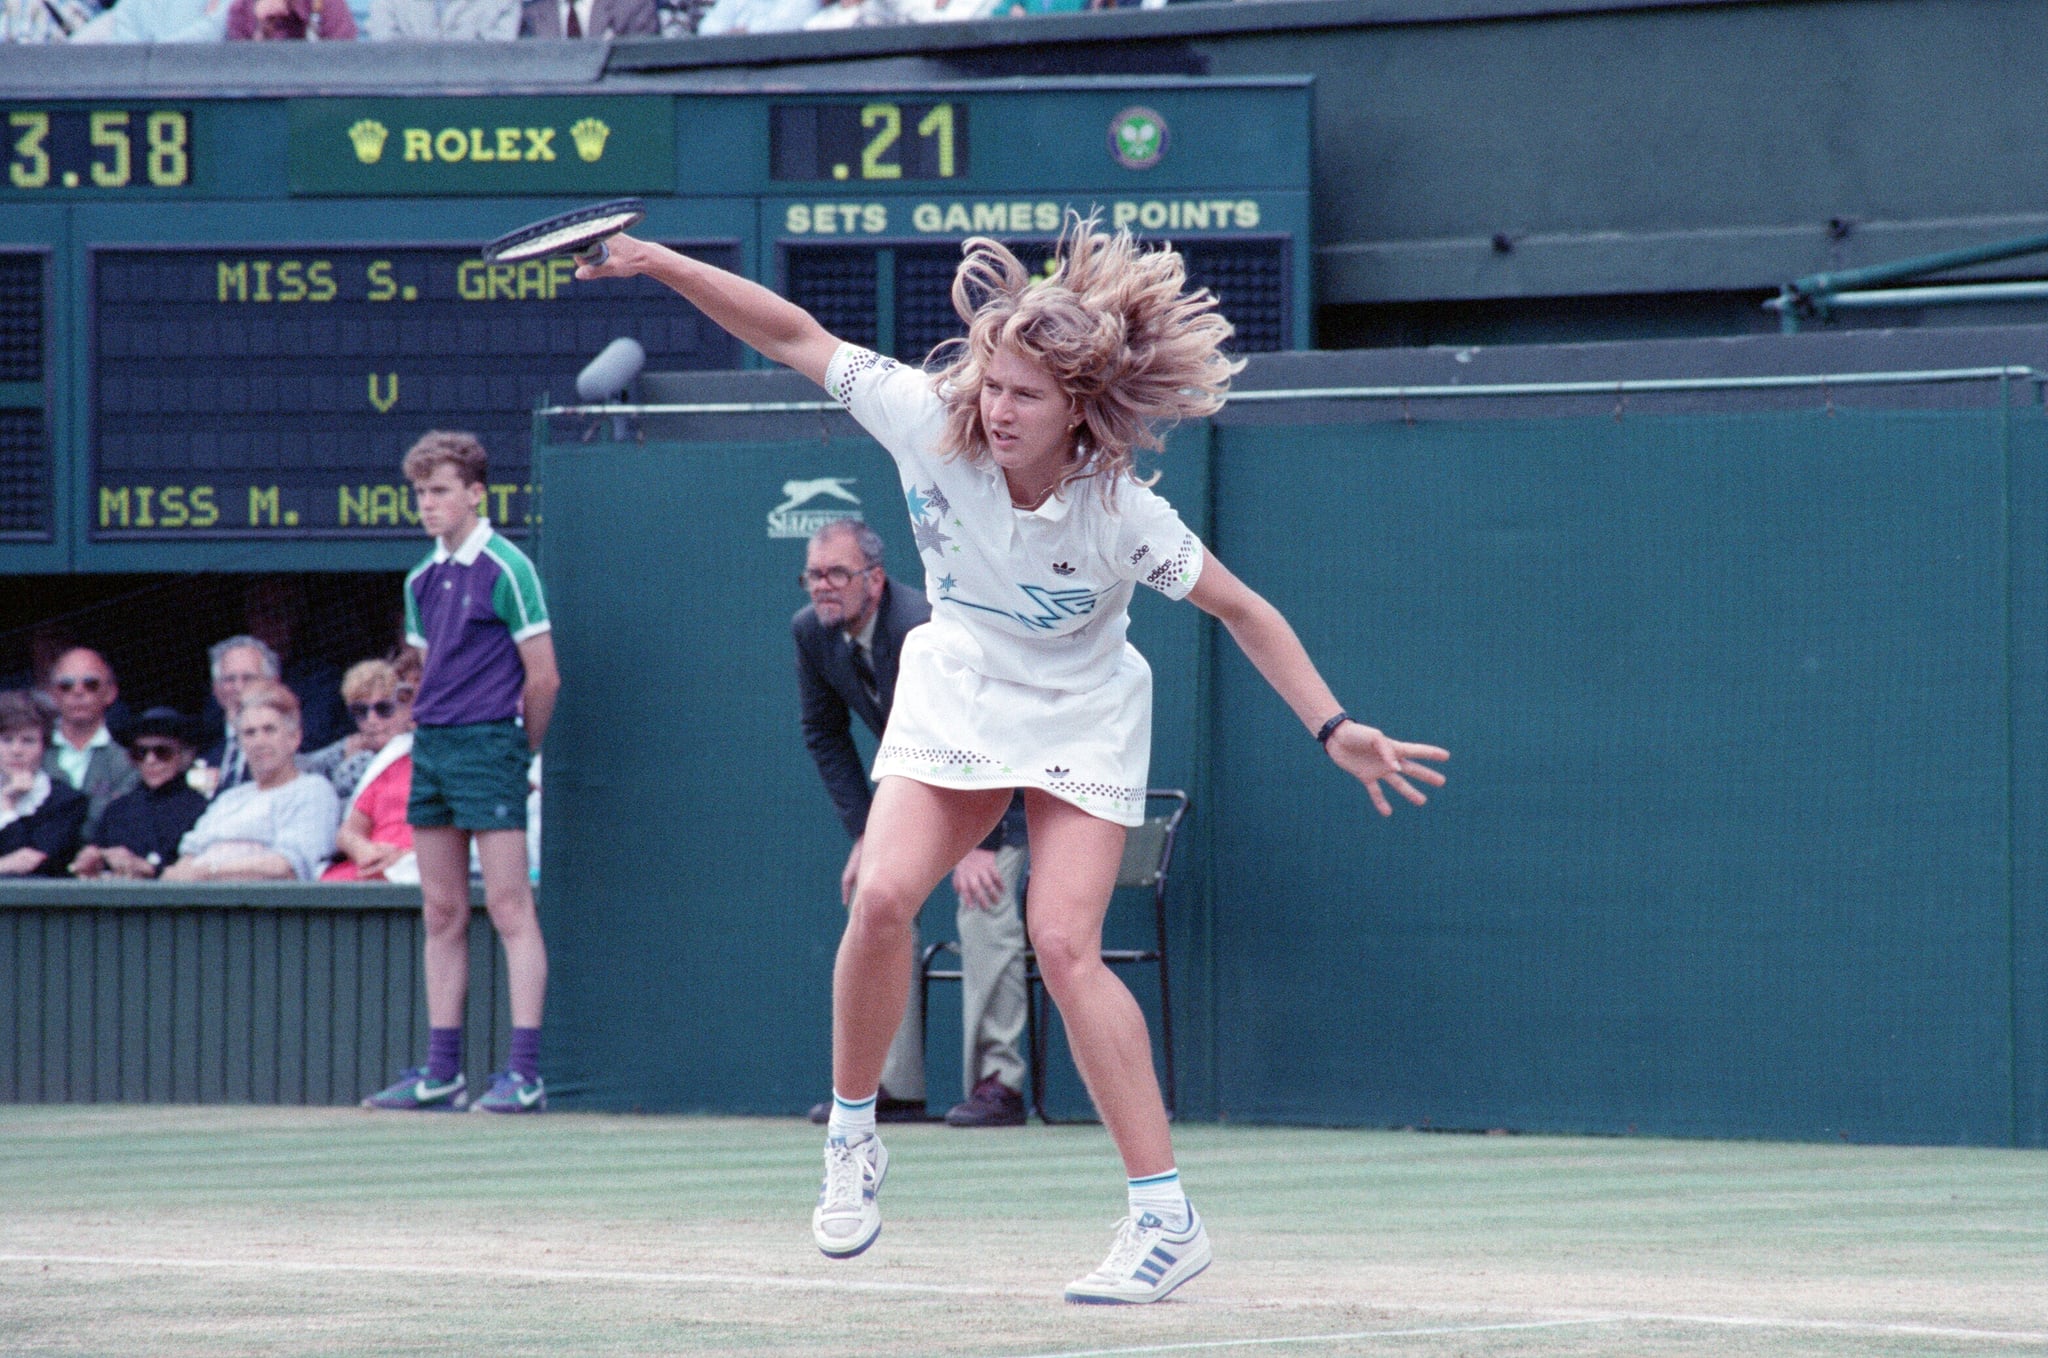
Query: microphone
{"type": "Point", "coordinates": [612, 371]}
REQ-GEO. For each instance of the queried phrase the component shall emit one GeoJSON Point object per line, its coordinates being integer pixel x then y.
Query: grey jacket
{"type": "Point", "coordinates": [108, 774]}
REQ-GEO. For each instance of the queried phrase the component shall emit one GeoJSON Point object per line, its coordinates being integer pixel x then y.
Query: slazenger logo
{"type": "Point", "coordinates": [368, 138]}
{"type": "Point", "coordinates": [793, 518]}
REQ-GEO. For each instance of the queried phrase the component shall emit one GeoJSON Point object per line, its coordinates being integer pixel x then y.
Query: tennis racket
{"type": "Point", "coordinates": [581, 232]}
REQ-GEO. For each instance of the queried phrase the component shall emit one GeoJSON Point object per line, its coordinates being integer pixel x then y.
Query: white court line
{"type": "Point", "coordinates": [1875, 1328]}
{"type": "Point", "coordinates": [1559, 1316]}
{"type": "Point", "coordinates": [1193, 1345]}
{"type": "Point", "coordinates": [507, 1271]}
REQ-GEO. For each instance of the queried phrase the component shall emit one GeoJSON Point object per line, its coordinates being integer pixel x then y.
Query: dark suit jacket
{"type": "Point", "coordinates": [608, 19]}
{"type": "Point", "coordinates": [52, 827]}
{"type": "Point", "coordinates": [832, 696]}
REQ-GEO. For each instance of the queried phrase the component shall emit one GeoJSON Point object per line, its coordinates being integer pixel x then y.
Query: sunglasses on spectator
{"type": "Point", "coordinates": [150, 749]}
{"type": "Point", "coordinates": [89, 682]}
{"type": "Point", "coordinates": [385, 708]}
{"type": "Point", "coordinates": [836, 576]}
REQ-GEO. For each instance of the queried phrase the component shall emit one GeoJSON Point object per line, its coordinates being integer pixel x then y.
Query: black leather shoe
{"type": "Point", "coordinates": [992, 1104]}
{"type": "Point", "coordinates": [887, 1109]}
{"type": "Point", "coordinates": [901, 1110]}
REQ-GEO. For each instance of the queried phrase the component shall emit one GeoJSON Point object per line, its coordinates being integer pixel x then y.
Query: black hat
{"type": "Point", "coordinates": [164, 721]}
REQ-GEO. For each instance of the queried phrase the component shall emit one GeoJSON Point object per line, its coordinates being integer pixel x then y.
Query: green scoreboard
{"type": "Point", "coordinates": [222, 321]}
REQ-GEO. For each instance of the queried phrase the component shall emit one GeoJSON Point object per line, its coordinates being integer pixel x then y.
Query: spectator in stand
{"type": "Point", "coordinates": [82, 753]}
{"type": "Point", "coordinates": [588, 19]}
{"type": "Point", "coordinates": [379, 697]}
{"type": "Point", "coordinates": [236, 665]}
{"type": "Point", "coordinates": [40, 816]}
{"type": "Point", "coordinates": [375, 838]}
{"type": "Point", "coordinates": [852, 14]}
{"type": "Point", "coordinates": [949, 11]}
{"type": "Point", "coordinates": [140, 832]}
{"type": "Point", "coordinates": [755, 16]}
{"type": "Point", "coordinates": [44, 20]}
{"type": "Point", "coordinates": [158, 21]}
{"type": "Point", "coordinates": [275, 606]}
{"type": "Point", "coordinates": [444, 20]}
{"type": "Point", "coordinates": [279, 824]}
{"type": "Point", "coordinates": [290, 20]}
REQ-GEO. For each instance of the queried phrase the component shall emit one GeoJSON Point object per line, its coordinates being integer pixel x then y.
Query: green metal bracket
{"type": "Point", "coordinates": [1811, 297]}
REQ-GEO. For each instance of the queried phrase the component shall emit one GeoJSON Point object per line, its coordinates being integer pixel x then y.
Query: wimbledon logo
{"type": "Point", "coordinates": [1137, 138]}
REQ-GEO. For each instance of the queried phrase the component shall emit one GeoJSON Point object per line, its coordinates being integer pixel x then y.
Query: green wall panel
{"type": "Point", "coordinates": [1729, 843]}
{"type": "Point", "coordinates": [262, 994]}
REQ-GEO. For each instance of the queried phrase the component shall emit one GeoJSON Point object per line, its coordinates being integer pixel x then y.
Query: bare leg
{"type": "Point", "coordinates": [915, 835]}
{"type": "Point", "coordinates": [1074, 860]}
{"type": "Point", "coordinates": [444, 893]}
{"type": "Point", "coordinates": [508, 895]}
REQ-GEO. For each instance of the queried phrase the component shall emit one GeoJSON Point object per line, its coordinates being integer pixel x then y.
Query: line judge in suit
{"type": "Point", "coordinates": [848, 639]}
{"type": "Point", "coordinates": [588, 19]}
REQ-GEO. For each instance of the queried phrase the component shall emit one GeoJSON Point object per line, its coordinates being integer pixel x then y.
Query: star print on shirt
{"type": "Point", "coordinates": [947, 584]}
{"type": "Point", "coordinates": [938, 500]}
{"type": "Point", "coordinates": [917, 503]}
{"type": "Point", "coordinates": [929, 538]}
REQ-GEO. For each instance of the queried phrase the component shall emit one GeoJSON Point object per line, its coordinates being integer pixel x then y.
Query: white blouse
{"type": "Point", "coordinates": [1039, 596]}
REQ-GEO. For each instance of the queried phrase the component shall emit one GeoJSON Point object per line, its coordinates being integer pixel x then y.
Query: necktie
{"type": "Point", "coordinates": [865, 672]}
{"type": "Point", "coordinates": [575, 29]}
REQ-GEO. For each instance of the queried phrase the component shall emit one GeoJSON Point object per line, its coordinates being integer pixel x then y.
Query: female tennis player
{"type": "Point", "coordinates": [1015, 452]}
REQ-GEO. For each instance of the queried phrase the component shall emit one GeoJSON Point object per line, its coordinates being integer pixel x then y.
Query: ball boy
{"type": "Point", "coordinates": [474, 606]}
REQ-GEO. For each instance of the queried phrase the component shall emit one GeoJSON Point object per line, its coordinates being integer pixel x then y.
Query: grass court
{"type": "Point", "coordinates": [259, 1231]}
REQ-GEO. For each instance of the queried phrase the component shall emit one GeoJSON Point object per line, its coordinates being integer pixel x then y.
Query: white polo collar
{"type": "Point", "coordinates": [99, 739]}
{"type": "Point", "coordinates": [472, 546]}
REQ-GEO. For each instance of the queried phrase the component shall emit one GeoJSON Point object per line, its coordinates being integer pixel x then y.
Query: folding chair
{"type": "Point", "coordinates": [1148, 856]}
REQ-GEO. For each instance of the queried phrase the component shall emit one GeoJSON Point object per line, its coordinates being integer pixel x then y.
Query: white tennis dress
{"type": "Point", "coordinates": [1022, 678]}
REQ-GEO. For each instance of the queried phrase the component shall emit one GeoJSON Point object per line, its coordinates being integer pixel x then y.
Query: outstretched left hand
{"type": "Point", "coordinates": [1372, 757]}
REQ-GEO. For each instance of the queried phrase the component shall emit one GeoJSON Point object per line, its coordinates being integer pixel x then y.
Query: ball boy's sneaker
{"type": "Point", "coordinates": [1146, 1262]}
{"type": "Point", "coordinates": [512, 1093]}
{"type": "Point", "coordinates": [419, 1092]}
{"type": "Point", "coordinates": [847, 1218]}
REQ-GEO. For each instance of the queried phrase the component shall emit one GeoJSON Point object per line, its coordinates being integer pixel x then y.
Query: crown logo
{"type": "Point", "coordinates": [589, 135]}
{"type": "Point", "coordinates": [368, 136]}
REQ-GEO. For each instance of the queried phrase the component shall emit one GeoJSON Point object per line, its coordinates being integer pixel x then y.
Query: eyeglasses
{"type": "Point", "coordinates": [147, 750]}
{"type": "Point", "coordinates": [836, 576]}
{"type": "Point", "coordinates": [89, 682]}
{"type": "Point", "coordinates": [385, 708]}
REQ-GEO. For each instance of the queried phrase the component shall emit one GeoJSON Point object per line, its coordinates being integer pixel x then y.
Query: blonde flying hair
{"type": "Point", "coordinates": [1114, 325]}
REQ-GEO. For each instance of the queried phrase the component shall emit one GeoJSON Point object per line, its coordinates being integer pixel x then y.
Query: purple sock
{"type": "Point", "coordinates": [444, 1053]}
{"type": "Point", "coordinates": [525, 1059]}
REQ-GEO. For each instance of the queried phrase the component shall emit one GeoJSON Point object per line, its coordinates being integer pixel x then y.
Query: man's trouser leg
{"type": "Point", "coordinates": [903, 1072]}
{"type": "Point", "coordinates": [992, 998]}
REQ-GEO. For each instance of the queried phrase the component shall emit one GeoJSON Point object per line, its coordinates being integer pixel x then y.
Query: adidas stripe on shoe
{"type": "Point", "coordinates": [1146, 1262]}
{"type": "Point", "coordinates": [848, 1218]}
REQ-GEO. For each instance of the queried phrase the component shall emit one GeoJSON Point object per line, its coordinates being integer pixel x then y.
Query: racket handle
{"type": "Point", "coordinates": [594, 255]}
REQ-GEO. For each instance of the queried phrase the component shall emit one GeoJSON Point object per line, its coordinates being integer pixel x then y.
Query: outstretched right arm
{"type": "Point", "coordinates": [780, 329]}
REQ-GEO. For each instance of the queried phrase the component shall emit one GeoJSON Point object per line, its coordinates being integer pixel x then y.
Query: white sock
{"type": "Point", "coordinates": [1161, 1195]}
{"type": "Point", "coordinates": [851, 1120]}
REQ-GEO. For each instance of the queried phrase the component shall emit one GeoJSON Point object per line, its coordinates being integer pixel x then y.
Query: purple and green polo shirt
{"type": "Point", "coordinates": [469, 609]}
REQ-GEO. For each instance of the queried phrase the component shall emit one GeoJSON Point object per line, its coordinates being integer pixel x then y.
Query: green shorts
{"type": "Point", "coordinates": [470, 777]}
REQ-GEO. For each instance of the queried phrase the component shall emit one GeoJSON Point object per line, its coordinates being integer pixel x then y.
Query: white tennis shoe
{"type": "Point", "coordinates": [848, 1219]}
{"type": "Point", "coordinates": [1146, 1262]}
